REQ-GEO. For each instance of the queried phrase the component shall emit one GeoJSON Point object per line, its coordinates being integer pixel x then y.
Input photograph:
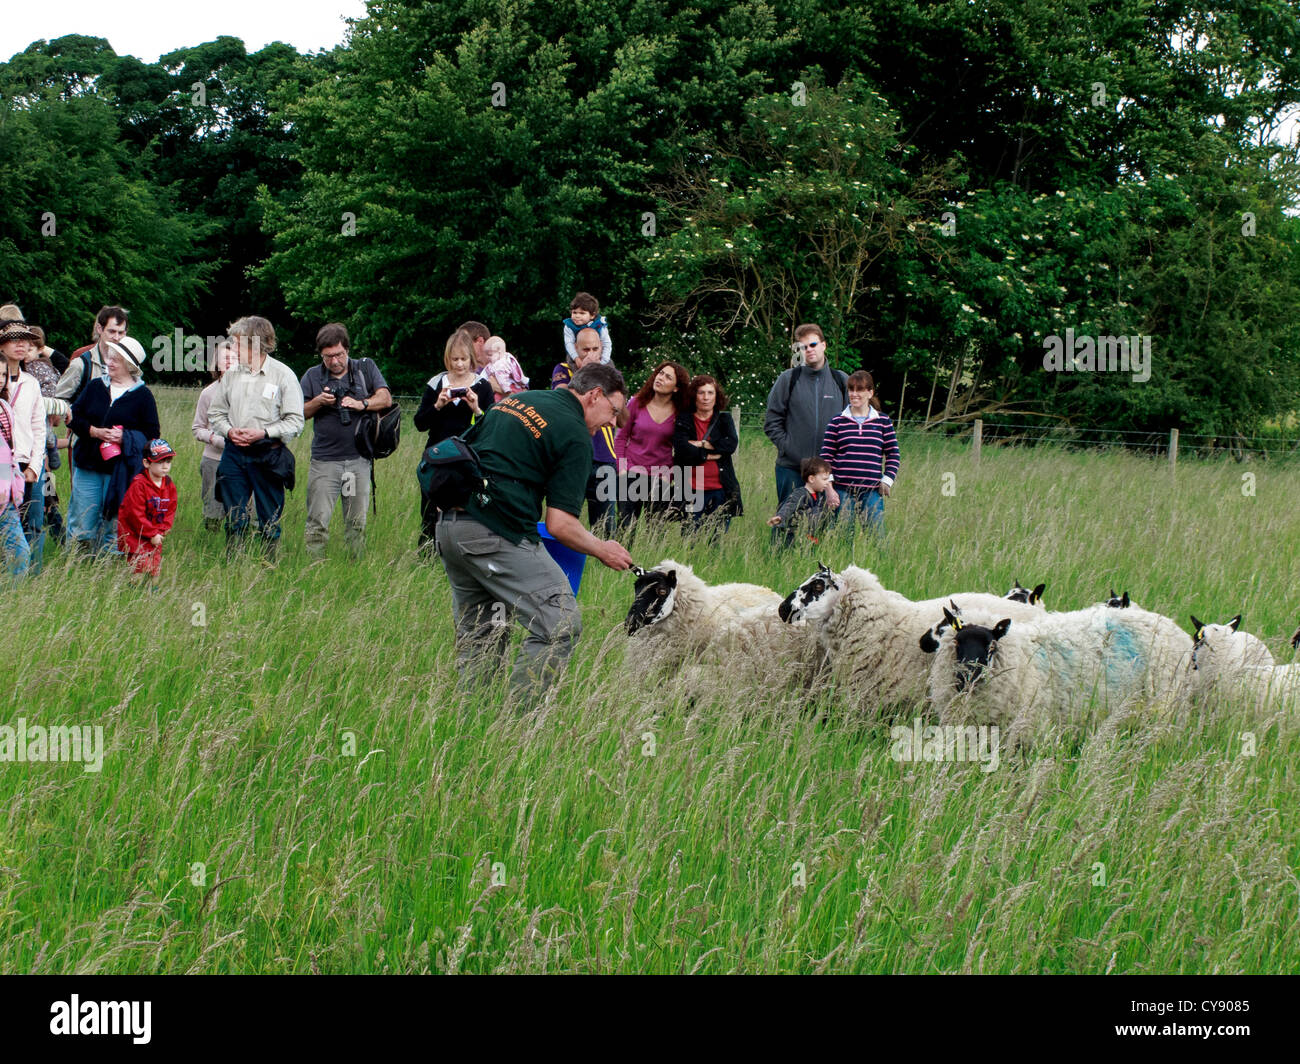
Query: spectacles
{"type": "Point", "coordinates": [617, 410]}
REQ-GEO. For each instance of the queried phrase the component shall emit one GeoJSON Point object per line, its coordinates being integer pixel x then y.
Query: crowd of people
{"type": "Point", "coordinates": [665, 450]}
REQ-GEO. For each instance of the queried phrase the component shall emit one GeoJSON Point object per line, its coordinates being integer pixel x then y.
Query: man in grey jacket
{"type": "Point", "coordinates": [800, 406]}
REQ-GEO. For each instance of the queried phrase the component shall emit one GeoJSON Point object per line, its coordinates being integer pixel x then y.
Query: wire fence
{"type": "Point", "coordinates": [1172, 445]}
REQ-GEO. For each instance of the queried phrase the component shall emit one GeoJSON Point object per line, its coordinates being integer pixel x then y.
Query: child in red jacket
{"type": "Point", "coordinates": [148, 510]}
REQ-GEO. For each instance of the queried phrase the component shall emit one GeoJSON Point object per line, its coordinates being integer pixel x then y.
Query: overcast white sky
{"type": "Point", "coordinates": [148, 29]}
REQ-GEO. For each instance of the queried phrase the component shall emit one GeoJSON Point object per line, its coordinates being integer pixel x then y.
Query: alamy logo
{"type": "Point", "coordinates": [102, 1017]}
{"type": "Point", "coordinates": [177, 352]}
{"type": "Point", "coordinates": [663, 484]}
{"type": "Point", "coordinates": [60, 743]}
{"type": "Point", "coordinates": [1098, 354]}
{"type": "Point", "coordinates": [947, 743]}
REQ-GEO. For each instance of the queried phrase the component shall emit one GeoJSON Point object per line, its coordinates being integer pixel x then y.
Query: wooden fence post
{"type": "Point", "coordinates": [1173, 449]}
{"type": "Point", "coordinates": [735, 416]}
{"type": "Point", "coordinates": [978, 439]}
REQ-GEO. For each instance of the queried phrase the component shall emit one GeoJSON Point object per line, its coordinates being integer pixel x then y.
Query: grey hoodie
{"type": "Point", "coordinates": [796, 423]}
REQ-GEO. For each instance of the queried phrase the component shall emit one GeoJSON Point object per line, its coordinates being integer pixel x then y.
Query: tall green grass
{"type": "Point", "coordinates": [631, 827]}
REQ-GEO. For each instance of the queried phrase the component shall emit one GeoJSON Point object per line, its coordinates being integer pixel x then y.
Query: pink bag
{"type": "Point", "coordinates": [12, 484]}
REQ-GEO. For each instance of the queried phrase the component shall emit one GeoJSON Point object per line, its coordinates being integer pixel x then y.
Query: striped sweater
{"type": "Point", "coordinates": [861, 455]}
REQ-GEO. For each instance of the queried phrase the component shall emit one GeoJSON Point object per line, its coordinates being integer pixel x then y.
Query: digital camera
{"type": "Point", "coordinates": [339, 390]}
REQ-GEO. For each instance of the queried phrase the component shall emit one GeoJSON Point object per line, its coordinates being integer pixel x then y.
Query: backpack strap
{"type": "Point", "coordinates": [85, 376]}
{"type": "Point", "coordinates": [840, 378]}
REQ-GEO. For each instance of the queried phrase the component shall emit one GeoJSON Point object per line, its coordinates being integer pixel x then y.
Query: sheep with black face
{"type": "Point", "coordinates": [675, 617]}
{"type": "Point", "coordinates": [1025, 595]}
{"type": "Point", "coordinates": [1239, 666]}
{"type": "Point", "coordinates": [872, 636]}
{"type": "Point", "coordinates": [1061, 668]}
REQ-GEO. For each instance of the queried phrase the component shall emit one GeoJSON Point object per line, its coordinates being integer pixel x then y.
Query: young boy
{"type": "Point", "coordinates": [808, 507]}
{"type": "Point", "coordinates": [584, 313]}
{"type": "Point", "coordinates": [862, 448]}
{"type": "Point", "coordinates": [148, 510]}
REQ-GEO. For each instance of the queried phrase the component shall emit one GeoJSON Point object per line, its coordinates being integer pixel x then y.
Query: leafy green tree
{"type": "Point", "coordinates": [79, 227]}
{"type": "Point", "coordinates": [464, 208]}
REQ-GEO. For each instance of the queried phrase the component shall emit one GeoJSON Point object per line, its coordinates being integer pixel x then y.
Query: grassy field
{"type": "Point", "coordinates": [297, 785]}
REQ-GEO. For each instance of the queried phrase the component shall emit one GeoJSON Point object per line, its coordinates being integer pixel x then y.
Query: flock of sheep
{"type": "Point", "coordinates": [975, 657]}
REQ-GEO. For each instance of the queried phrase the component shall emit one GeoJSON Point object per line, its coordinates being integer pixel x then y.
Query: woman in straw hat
{"type": "Point", "coordinates": [22, 392]}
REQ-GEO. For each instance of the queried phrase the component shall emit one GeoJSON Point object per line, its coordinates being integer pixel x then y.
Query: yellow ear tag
{"type": "Point", "coordinates": [956, 623]}
{"type": "Point", "coordinates": [1200, 634]}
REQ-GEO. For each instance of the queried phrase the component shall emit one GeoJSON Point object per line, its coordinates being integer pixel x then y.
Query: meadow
{"type": "Point", "coordinates": [294, 782]}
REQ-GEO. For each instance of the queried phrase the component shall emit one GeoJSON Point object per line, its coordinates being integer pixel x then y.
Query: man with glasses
{"type": "Point", "coordinates": [531, 446]}
{"type": "Point", "coordinates": [336, 392]}
{"type": "Point", "coordinates": [800, 406]}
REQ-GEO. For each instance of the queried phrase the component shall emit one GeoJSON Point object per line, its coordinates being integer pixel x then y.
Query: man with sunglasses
{"type": "Point", "coordinates": [800, 406]}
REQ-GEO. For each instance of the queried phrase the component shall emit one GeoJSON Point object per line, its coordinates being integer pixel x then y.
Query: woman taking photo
{"type": "Point", "coordinates": [703, 443]}
{"type": "Point", "coordinates": [452, 401]}
{"type": "Point", "coordinates": [644, 445]}
{"type": "Point", "coordinates": [113, 420]}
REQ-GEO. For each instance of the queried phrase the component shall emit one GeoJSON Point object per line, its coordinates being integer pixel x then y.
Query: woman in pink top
{"type": "Point", "coordinates": [644, 445]}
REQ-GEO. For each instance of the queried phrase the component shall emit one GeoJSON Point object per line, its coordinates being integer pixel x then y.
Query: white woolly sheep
{"type": "Point", "coordinates": [1238, 665]}
{"type": "Point", "coordinates": [872, 636]}
{"type": "Point", "coordinates": [1061, 667]}
{"type": "Point", "coordinates": [676, 617]}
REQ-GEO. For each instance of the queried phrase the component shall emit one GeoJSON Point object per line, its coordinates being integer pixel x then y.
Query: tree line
{"type": "Point", "coordinates": [946, 187]}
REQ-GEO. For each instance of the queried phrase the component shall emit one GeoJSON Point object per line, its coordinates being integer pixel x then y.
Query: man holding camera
{"type": "Point", "coordinates": [336, 393]}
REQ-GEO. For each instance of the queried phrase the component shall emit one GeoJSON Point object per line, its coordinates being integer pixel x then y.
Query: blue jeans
{"type": "Point", "coordinates": [12, 540]}
{"type": "Point", "coordinates": [867, 507]}
{"type": "Point", "coordinates": [86, 512]}
{"type": "Point", "coordinates": [33, 517]}
{"type": "Point", "coordinates": [602, 513]}
{"type": "Point", "coordinates": [714, 498]}
{"type": "Point", "coordinates": [239, 476]}
{"type": "Point", "coordinates": [787, 480]}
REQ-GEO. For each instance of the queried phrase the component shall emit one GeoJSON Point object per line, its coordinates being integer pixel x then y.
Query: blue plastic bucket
{"type": "Point", "coordinates": [568, 559]}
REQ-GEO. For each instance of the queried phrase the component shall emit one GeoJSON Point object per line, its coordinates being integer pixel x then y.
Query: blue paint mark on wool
{"type": "Point", "coordinates": [1122, 649]}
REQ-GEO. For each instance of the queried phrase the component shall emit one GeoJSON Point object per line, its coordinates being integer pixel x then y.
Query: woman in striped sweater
{"type": "Point", "coordinates": [863, 452]}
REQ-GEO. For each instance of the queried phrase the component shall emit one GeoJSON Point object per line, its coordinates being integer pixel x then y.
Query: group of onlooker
{"type": "Point", "coordinates": [665, 450]}
{"type": "Point", "coordinates": [836, 450]}
{"type": "Point", "coordinates": [113, 441]}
